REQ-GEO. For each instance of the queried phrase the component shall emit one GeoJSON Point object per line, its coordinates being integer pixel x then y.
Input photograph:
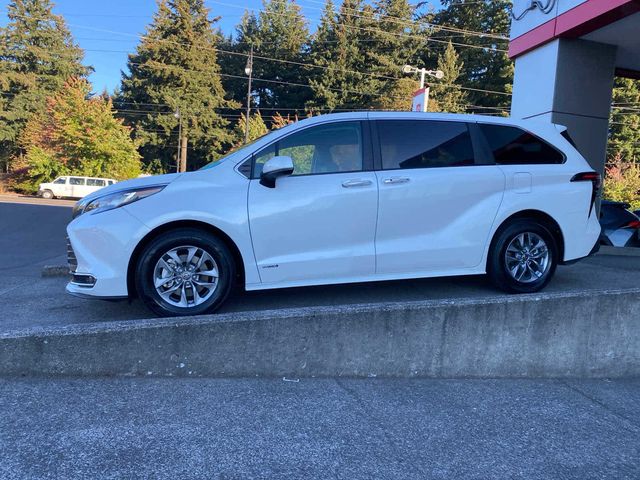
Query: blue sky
{"type": "Point", "coordinates": [107, 30]}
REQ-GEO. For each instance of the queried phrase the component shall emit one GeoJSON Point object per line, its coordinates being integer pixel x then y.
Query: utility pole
{"type": "Point", "coordinates": [248, 69]}
{"type": "Point", "coordinates": [179, 152]}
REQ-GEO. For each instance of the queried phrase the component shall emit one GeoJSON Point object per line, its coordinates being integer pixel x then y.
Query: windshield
{"type": "Point", "coordinates": [236, 150]}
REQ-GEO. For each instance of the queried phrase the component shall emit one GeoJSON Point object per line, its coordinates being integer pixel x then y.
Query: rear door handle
{"type": "Point", "coordinates": [356, 183]}
{"type": "Point", "coordinates": [395, 180]}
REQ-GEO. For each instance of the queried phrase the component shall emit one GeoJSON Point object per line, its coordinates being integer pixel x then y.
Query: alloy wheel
{"type": "Point", "coordinates": [527, 257]}
{"type": "Point", "coordinates": [186, 276]}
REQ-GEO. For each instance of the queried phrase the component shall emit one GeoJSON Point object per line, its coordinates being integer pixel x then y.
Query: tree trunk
{"type": "Point", "coordinates": [183, 154]}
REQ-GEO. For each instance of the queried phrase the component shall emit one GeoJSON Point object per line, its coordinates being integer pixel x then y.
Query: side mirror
{"type": "Point", "coordinates": [273, 168]}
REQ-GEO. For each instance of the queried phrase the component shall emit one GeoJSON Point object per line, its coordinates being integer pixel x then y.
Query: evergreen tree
{"type": "Point", "coordinates": [233, 63]}
{"type": "Point", "coordinates": [448, 97]}
{"type": "Point", "coordinates": [278, 32]}
{"type": "Point", "coordinates": [624, 134]}
{"type": "Point", "coordinates": [257, 128]}
{"type": "Point", "coordinates": [336, 51]}
{"type": "Point", "coordinates": [175, 69]}
{"type": "Point", "coordinates": [485, 67]}
{"type": "Point", "coordinates": [76, 135]}
{"type": "Point", "coordinates": [389, 39]}
{"type": "Point", "coordinates": [37, 55]}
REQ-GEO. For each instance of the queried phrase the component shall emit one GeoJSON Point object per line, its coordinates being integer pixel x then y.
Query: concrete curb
{"type": "Point", "coordinates": [587, 334]}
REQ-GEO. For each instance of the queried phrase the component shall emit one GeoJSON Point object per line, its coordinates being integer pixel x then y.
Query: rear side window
{"type": "Point", "coordinates": [424, 144]}
{"type": "Point", "coordinates": [94, 182]}
{"type": "Point", "coordinates": [76, 181]}
{"type": "Point", "coordinates": [514, 146]}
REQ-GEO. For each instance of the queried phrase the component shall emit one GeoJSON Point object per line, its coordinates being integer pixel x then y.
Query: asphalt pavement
{"type": "Point", "coordinates": [319, 429]}
{"type": "Point", "coordinates": [34, 235]}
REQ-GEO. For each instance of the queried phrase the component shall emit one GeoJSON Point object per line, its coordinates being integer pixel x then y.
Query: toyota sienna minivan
{"type": "Point", "coordinates": [341, 198]}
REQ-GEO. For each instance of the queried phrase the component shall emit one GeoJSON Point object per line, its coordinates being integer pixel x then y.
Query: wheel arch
{"type": "Point", "coordinates": [544, 218]}
{"type": "Point", "coordinates": [167, 227]}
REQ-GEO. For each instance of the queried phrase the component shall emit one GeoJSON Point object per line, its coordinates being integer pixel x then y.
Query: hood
{"type": "Point", "coordinates": [134, 183]}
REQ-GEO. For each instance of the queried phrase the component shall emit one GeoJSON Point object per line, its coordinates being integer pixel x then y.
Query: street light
{"type": "Point", "coordinates": [248, 70]}
{"type": "Point", "coordinates": [407, 69]}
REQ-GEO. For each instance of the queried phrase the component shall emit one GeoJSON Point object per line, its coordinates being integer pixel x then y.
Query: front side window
{"type": "Point", "coordinates": [424, 144]}
{"type": "Point", "coordinates": [76, 181]}
{"type": "Point", "coordinates": [331, 148]}
{"type": "Point", "coordinates": [514, 146]}
{"type": "Point", "coordinates": [60, 181]}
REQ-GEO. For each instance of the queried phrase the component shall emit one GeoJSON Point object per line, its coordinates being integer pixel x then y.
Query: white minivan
{"type": "Point", "coordinates": [73, 186]}
{"type": "Point", "coordinates": [340, 198]}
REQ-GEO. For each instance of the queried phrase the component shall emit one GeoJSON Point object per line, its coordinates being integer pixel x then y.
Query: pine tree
{"type": "Point", "coordinates": [485, 66]}
{"type": "Point", "coordinates": [76, 135]}
{"type": "Point", "coordinates": [174, 73]}
{"type": "Point", "coordinates": [624, 134]}
{"type": "Point", "coordinates": [37, 55]}
{"type": "Point", "coordinates": [448, 97]}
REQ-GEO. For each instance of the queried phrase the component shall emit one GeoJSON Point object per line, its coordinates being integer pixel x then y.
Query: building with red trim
{"type": "Point", "coordinates": [567, 53]}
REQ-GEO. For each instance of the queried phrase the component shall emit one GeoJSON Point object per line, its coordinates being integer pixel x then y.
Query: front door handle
{"type": "Point", "coordinates": [395, 180]}
{"type": "Point", "coordinates": [356, 183]}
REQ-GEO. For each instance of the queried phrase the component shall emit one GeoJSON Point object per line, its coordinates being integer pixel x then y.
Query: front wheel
{"type": "Point", "coordinates": [47, 194]}
{"type": "Point", "coordinates": [185, 272]}
{"type": "Point", "coordinates": [523, 257]}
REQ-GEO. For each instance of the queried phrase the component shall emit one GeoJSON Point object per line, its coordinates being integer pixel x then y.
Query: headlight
{"type": "Point", "coordinates": [114, 200]}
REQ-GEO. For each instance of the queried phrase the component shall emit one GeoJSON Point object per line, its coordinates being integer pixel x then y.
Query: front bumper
{"type": "Point", "coordinates": [99, 249]}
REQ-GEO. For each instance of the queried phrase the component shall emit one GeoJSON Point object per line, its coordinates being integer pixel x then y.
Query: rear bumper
{"type": "Point", "coordinates": [594, 250]}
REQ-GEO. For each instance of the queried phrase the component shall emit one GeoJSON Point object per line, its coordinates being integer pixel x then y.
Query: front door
{"type": "Point", "coordinates": [317, 225]}
{"type": "Point", "coordinates": [437, 206]}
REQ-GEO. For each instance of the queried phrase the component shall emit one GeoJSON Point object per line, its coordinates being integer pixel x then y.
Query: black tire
{"type": "Point", "coordinates": [497, 262]}
{"type": "Point", "coordinates": [48, 194]}
{"type": "Point", "coordinates": [149, 257]}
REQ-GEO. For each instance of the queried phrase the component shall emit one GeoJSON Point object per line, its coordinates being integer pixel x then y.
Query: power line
{"type": "Point", "coordinates": [413, 22]}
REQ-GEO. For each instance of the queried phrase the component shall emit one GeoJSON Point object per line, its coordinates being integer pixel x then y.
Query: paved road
{"type": "Point", "coordinates": [319, 428]}
{"type": "Point", "coordinates": [36, 236]}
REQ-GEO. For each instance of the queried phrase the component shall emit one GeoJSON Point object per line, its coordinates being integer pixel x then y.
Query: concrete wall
{"type": "Point", "coordinates": [546, 335]}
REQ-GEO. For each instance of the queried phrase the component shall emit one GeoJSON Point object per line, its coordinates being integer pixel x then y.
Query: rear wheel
{"type": "Point", "coordinates": [523, 257]}
{"type": "Point", "coordinates": [185, 272]}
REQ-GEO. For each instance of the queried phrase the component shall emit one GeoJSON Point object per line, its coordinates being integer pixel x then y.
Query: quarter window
{"type": "Point", "coordinates": [514, 146]}
{"type": "Point", "coordinates": [424, 144]}
{"type": "Point", "coordinates": [76, 181]}
{"type": "Point", "coordinates": [331, 148]}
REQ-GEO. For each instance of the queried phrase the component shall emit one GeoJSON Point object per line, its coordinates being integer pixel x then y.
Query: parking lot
{"type": "Point", "coordinates": [35, 237]}
{"type": "Point", "coordinates": [298, 427]}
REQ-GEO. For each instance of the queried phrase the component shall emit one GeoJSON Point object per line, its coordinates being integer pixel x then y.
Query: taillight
{"type": "Point", "coordinates": [633, 224]}
{"type": "Point", "coordinates": [596, 183]}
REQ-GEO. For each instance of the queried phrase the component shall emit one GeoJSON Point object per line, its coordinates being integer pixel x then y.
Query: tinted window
{"type": "Point", "coordinates": [94, 182]}
{"type": "Point", "coordinates": [110, 182]}
{"type": "Point", "coordinates": [424, 144]}
{"type": "Point", "coordinates": [513, 146]}
{"type": "Point", "coordinates": [60, 181]}
{"type": "Point", "coordinates": [76, 181]}
{"type": "Point", "coordinates": [331, 148]}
